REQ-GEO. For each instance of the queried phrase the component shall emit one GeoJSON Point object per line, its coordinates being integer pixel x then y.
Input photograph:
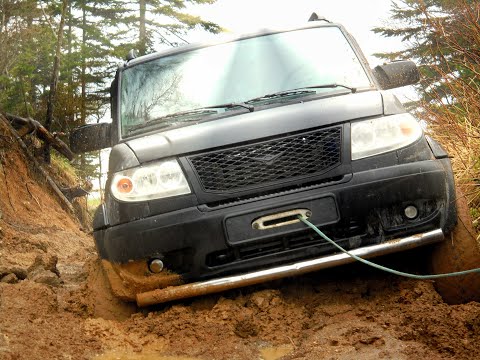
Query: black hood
{"type": "Point", "coordinates": [256, 125]}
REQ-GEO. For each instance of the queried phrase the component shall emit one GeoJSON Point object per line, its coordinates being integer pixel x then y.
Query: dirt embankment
{"type": "Point", "coordinates": [54, 303]}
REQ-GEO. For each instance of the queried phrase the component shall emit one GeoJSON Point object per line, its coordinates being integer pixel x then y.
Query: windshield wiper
{"type": "Point", "coordinates": [300, 91]}
{"type": "Point", "coordinates": [187, 115]}
{"type": "Point", "coordinates": [231, 105]}
{"type": "Point", "coordinates": [176, 116]}
{"type": "Point", "coordinates": [330, 86]}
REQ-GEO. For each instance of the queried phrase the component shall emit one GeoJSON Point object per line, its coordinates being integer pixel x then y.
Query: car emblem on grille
{"type": "Point", "coordinates": [268, 159]}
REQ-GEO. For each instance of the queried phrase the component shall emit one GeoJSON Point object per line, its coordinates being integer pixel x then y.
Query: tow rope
{"type": "Point", "coordinates": [384, 268]}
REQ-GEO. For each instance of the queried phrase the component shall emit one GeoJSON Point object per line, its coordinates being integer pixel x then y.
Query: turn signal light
{"type": "Point", "coordinates": [124, 185]}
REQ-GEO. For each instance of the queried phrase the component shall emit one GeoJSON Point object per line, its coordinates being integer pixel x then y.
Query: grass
{"type": "Point", "coordinates": [62, 171]}
{"type": "Point", "coordinates": [92, 204]}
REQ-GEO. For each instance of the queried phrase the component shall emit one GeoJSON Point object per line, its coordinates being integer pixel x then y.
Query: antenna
{"type": "Point", "coordinates": [132, 54]}
{"type": "Point", "coordinates": [315, 17]}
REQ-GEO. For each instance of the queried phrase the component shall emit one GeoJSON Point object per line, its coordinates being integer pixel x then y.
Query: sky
{"type": "Point", "coordinates": [358, 16]}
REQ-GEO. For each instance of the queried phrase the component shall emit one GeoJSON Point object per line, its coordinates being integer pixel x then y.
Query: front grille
{"type": "Point", "coordinates": [296, 156]}
{"type": "Point", "coordinates": [272, 193]}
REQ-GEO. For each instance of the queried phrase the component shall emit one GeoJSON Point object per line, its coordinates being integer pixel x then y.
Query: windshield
{"type": "Point", "coordinates": [236, 72]}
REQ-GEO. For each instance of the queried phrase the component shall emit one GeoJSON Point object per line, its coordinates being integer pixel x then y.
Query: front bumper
{"type": "Point", "coordinates": [364, 208]}
{"type": "Point", "coordinates": [171, 293]}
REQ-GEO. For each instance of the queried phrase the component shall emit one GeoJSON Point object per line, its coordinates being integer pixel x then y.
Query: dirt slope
{"type": "Point", "coordinates": [59, 310]}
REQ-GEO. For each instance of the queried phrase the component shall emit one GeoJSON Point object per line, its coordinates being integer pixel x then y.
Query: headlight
{"type": "Point", "coordinates": [377, 136]}
{"type": "Point", "coordinates": [154, 181]}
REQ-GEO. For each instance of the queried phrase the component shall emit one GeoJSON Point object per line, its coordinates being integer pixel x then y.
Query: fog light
{"type": "Point", "coordinates": [411, 212]}
{"type": "Point", "coordinates": [156, 266]}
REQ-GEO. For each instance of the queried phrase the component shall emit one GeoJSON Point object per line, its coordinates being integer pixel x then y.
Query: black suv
{"type": "Point", "coordinates": [218, 148]}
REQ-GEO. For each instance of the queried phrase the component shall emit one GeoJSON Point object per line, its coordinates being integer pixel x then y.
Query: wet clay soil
{"type": "Point", "coordinates": [62, 310]}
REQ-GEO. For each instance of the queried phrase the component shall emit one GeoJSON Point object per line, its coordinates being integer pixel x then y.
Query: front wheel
{"type": "Point", "coordinates": [459, 251]}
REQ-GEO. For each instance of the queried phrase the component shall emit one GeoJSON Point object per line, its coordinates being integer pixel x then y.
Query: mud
{"type": "Point", "coordinates": [344, 313]}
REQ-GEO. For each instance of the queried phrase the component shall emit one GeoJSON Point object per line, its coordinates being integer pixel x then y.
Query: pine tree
{"type": "Point", "coordinates": [97, 35]}
{"type": "Point", "coordinates": [443, 37]}
{"type": "Point", "coordinates": [26, 42]}
{"type": "Point", "coordinates": [161, 22]}
{"type": "Point", "coordinates": [440, 36]}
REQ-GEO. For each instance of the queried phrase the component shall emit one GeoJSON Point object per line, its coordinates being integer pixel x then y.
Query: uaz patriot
{"type": "Point", "coordinates": [218, 148]}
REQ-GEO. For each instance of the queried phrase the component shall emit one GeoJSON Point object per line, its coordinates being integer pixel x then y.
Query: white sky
{"type": "Point", "coordinates": [358, 16]}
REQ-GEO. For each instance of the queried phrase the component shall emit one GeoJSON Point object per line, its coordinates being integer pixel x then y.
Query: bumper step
{"type": "Point", "coordinates": [231, 282]}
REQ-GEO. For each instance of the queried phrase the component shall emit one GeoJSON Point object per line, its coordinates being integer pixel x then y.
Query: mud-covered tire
{"type": "Point", "coordinates": [459, 251]}
{"type": "Point", "coordinates": [100, 300]}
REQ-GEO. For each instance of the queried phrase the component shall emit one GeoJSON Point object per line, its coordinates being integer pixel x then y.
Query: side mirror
{"type": "Point", "coordinates": [396, 74]}
{"type": "Point", "coordinates": [91, 137]}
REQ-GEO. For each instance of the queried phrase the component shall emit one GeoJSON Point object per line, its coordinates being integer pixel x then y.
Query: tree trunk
{"type": "Point", "coordinates": [83, 103]}
{"type": "Point", "coordinates": [27, 126]}
{"type": "Point", "coordinates": [2, 16]}
{"type": "Point", "coordinates": [142, 38]}
{"type": "Point", "coordinates": [53, 84]}
{"type": "Point", "coordinates": [71, 96]}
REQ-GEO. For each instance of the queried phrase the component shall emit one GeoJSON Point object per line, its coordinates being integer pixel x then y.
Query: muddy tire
{"type": "Point", "coordinates": [100, 300]}
{"type": "Point", "coordinates": [459, 251]}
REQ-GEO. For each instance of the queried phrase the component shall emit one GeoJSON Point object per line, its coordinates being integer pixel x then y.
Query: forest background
{"type": "Point", "coordinates": [59, 56]}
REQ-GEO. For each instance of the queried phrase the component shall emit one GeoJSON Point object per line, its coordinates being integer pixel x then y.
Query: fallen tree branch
{"type": "Point", "coordinates": [74, 192]}
{"type": "Point", "coordinates": [27, 126]}
{"type": "Point", "coordinates": [34, 161]}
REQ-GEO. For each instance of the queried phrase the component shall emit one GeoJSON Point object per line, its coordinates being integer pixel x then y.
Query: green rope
{"type": "Point", "coordinates": [380, 267]}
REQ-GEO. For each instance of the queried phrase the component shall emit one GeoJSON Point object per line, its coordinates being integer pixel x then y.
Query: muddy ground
{"type": "Point", "coordinates": [54, 303]}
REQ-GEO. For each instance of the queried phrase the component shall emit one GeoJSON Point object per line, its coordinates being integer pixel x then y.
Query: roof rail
{"type": "Point", "coordinates": [315, 17]}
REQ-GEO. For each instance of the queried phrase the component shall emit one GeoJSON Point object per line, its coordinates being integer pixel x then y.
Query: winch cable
{"type": "Point", "coordinates": [383, 268]}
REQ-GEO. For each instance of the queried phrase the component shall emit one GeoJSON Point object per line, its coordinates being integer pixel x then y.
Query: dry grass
{"type": "Point", "coordinates": [454, 110]}
{"type": "Point", "coordinates": [62, 171]}
{"type": "Point", "coordinates": [462, 142]}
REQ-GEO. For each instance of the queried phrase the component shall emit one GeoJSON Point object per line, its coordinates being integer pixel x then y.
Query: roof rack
{"type": "Point", "coordinates": [315, 17]}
